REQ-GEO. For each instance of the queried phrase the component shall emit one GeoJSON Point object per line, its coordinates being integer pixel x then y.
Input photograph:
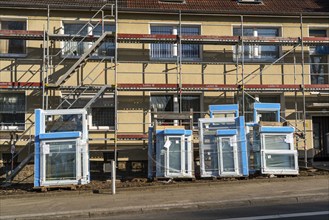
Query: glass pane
{"type": "Point", "coordinates": [61, 161]}
{"type": "Point", "coordinates": [161, 50]}
{"type": "Point", "coordinates": [192, 102]}
{"type": "Point", "coordinates": [162, 103]}
{"type": "Point", "coordinates": [75, 48]}
{"type": "Point", "coordinates": [175, 155]}
{"type": "Point", "coordinates": [186, 157]}
{"type": "Point", "coordinates": [228, 155]}
{"type": "Point", "coordinates": [60, 123]}
{"type": "Point", "coordinates": [190, 50]}
{"type": "Point", "coordinates": [257, 52]}
{"type": "Point", "coordinates": [107, 48]}
{"type": "Point", "coordinates": [12, 102]}
{"type": "Point", "coordinates": [13, 46]}
{"type": "Point", "coordinates": [277, 161]}
{"type": "Point", "coordinates": [276, 142]}
{"type": "Point", "coordinates": [319, 69]}
{"type": "Point", "coordinates": [103, 116]}
{"type": "Point", "coordinates": [9, 119]}
{"type": "Point", "coordinates": [211, 161]}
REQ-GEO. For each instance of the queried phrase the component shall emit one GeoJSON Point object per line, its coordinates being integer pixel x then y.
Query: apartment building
{"type": "Point", "coordinates": [125, 60]}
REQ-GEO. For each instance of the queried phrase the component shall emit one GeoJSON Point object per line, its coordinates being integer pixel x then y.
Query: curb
{"type": "Point", "coordinates": [258, 201]}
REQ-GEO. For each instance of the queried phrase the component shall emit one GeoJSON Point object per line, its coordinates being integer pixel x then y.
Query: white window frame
{"type": "Point", "coordinates": [81, 174]}
{"type": "Point", "coordinates": [291, 151]}
{"type": "Point", "coordinates": [183, 172]}
{"type": "Point", "coordinates": [220, 155]}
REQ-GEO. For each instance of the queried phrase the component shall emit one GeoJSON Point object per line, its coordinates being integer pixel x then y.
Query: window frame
{"type": "Point", "coordinates": [255, 59]}
{"type": "Point", "coordinates": [195, 120]}
{"type": "Point", "coordinates": [95, 55]}
{"type": "Point", "coordinates": [16, 127]}
{"type": "Point", "coordinates": [99, 127]}
{"type": "Point", "coordinates": [326, 57]}
{"type": "Point", "coordinates": [25, 42]}
{"type": "Point", "coordinates": [174, 58]}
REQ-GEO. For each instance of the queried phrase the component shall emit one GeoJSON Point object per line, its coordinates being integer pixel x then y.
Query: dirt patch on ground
{"type": "Point", "coordinates": [25, 186]}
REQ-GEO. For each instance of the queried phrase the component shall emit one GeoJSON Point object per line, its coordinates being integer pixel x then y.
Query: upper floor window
{"type": "Point", "coordinates": [171, 51]}
{"type": "Point", "coordinates": [12, 111]}
{"type": "Point", "coordinates": [12, 47]}
{"type": "Point", "coordinates": [254, 53]}
{"type": "Point", "coordinates": [77, 48]}
{"type": "Point", "coordinates": [319, 59]}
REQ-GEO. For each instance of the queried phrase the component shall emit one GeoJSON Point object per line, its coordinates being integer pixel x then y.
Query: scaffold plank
{"type": "Point", "coordinates": [20, 85]}
{"type": "Point", "coordinates": [162, 38]}
{"type": "Point", "coordinates": [176, 87]}
{"type": "Point", "coordinates": [132, 136]}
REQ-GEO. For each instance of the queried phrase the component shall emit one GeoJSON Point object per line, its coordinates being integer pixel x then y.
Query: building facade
{"type": "Point", "coordinates": [125, 61]}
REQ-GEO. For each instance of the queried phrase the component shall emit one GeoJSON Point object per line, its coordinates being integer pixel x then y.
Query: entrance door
{"type": "Point", "coordinates": [228, 155]}
{"type": "Point", "coordinates": [321, 138]}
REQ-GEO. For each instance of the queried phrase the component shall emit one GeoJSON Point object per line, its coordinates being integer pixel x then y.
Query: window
{"type": "Point", "coordinates": [278, 152]}
{"type": "Point", "coordinates": [102, 110]}
{"type": "Point", "coordinates": [255, 53]}
{"type": "Point", "coordinates": [12, 47]}
{"type": "Point", "coordinates": [169, 103]}
{"type": "Point", "coordinates": [248, 103]}
{"type": "Point", "coordinates": [170, 51]}
{"type": "Point", "coordinates": [319, 59]}
{"type": "Point", "coordinates": [76, 48]}
{"type": "Point", "coordinates": [12, 111]}
{"type": "Point", "coordinates": [102, 116]}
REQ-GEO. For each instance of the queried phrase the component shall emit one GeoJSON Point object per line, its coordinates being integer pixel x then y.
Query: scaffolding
{"type": "Point", "coordinates": [49, 86]}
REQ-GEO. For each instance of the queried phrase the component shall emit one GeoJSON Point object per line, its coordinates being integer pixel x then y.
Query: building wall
{"type": "Point", "coordinates": [134, 114]}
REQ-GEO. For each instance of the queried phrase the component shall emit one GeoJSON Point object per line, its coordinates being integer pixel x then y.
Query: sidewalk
{"type": "Point", "coordinates": [191, 196]}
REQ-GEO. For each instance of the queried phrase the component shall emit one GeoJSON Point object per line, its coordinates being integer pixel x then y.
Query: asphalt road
{"type": "Point", "coordinates": [302, 211]}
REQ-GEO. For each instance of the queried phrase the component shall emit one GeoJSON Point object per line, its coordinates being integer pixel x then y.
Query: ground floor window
{"type": "Point", "coordinates": [171, 103]}
{"type": "Point", "coordinates": [12, 111]}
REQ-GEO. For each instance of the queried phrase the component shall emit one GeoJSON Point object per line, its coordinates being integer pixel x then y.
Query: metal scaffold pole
{"type": "Point", "coordinates": [242, 67]}
{"type": "Point", "coordinates": [303, 89]}
{"type": "Point", "coordinates": [115, 100]}
{"type": "Point", "coordinates": [180, 61]}
{"type": "Point", "coordinates": [47, 55]}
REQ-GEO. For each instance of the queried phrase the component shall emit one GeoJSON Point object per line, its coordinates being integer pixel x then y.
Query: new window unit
{"type": "Point", "coordinates": [61, 148]}
{"type": "Point", "coordinates": [12, 111]}
{"type": "Point", "coordinates": [319, 63]}
{"type": "Point", "coordinates": [171, 51]}
{"type": "Point", "coordinates": [173, 153]}
{"type": "Point", "coordinates": [273, 144]}
{"type": "Point", "coordinates": [257, 53]}
{"type": "Point", "coordinates": [77, 48]}
{"type": "Point", "coordinates": [222, 143]}
{"type": "Point", "coordinates": [12, 47]}
{"type": "Point", "coordinates": [249, 106]}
